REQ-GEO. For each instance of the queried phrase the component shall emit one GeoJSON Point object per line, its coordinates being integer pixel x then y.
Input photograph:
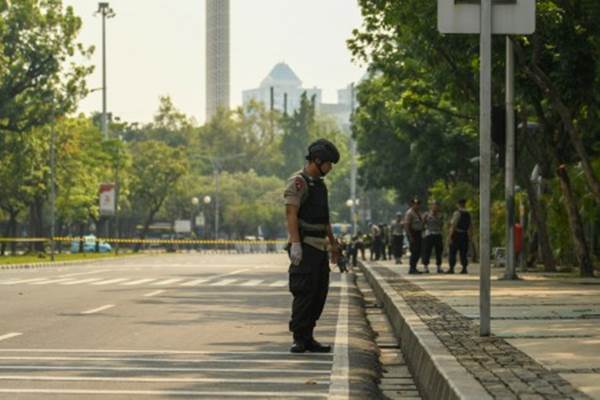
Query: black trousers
{"type": "Point", "coordinates": [433, 242]}
{"type": "Point", "coordinates": [309, 283]}
{"type": "Point", "coordinates": [397, 244]}
{"type": "Point", "coordinates": [459, 243]}
{"type": "Point", "coordinates": [415, 250]}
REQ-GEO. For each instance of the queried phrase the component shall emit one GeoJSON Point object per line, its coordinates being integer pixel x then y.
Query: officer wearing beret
{"type": "Point", "coordinates": [310, 236]}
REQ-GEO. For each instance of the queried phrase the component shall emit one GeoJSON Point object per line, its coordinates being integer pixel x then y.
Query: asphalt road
{"type": "Point", "coordinates": [168, 326]}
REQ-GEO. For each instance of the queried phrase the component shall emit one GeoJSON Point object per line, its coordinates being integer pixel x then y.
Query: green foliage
{"type": "Point", "coordinates": [37, 76]}
{"type": "Point", "coordinates": [155, 170]}
{"type": "Point", "coordinates": [297, 134]}
{"type": "Point", "coordinates": [416, 125]}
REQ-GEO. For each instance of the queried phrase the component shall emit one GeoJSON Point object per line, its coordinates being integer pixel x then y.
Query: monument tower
{"type": "Point", "coordinates": [217, 56]}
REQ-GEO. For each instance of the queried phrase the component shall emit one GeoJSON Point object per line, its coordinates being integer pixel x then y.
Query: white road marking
{"type": "Point", "coordinates": [149, 369]}
{"type": "Point", "coordinates": [150, 351]}
{"type": "Point", "coordinates": [278, 284]}
{"type": "Point", "coordinates": [195, 282]}
{"type": "Point", "coordinates": [46, 282]}
{"type": "Point", "coordinates": [155, 293]}
{"type": "Point", "coordinates": [10, 335]}
{"type": "Point", "coordinates": [165, 393]}
{"type": "Point", "coordinates": [294, 360]}
{"type": "Point", "coordinates": [110, 281]}
{"type": "Point", "coordinates": [253, 282]}
{"type": "Point", "coordinates": [167, 282]}
{"type": "Point", "coordinates": [138, 282]}
{"type": "Point", "coordinates": [211, 278]}
{"type": "Point", "coordinates": [120, 379]}
{"type": "Point", "coordinates": [82, 281]}
{"type": "Point", "coordinates": [95, 310]}
{"type": "Point", "coordinates": [13, 282]}
{"type": "Point", "coordinates": [224, 282]}
{"type": "Point", "coordinates": [84, 273]}
{"type": "Point", "coordinates": [340, 374]}
{"type": "Point", "coordinates": [232, 273]}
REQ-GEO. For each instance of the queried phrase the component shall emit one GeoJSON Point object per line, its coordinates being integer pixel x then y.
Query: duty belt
{"type": "Point", "coordinates": [313, 233]}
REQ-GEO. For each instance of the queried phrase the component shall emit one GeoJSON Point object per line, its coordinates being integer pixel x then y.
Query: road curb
{"type": "Point", "coordinates": [355, 369]}
{"type": "Point", "coordinates": [437, 373]}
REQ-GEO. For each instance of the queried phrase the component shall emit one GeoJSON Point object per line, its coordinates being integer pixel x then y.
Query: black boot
{"type": "Point", "coordinates": [439, 269]}
{"type": "Point", "coordinates": [315, 347]}
{"type": "Point", "coordinates": [450, 271]}
{"type": "Point", "coordinates": [299, 346]}
{"type": "Point", "coordinates": [464, 270]}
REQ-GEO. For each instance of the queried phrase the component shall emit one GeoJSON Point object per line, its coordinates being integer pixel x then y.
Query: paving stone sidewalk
{"type": "Point", "coordinates": [504, 371]}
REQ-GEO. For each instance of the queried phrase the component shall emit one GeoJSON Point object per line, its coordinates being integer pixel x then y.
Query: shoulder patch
{"type": "Point", "coordinates": [299, 183]}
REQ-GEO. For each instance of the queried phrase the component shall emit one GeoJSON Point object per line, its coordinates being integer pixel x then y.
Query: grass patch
{"type": "Point", "coordinates": [28, 259]}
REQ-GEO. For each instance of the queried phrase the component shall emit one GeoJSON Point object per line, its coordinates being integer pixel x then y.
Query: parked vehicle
{"type": "Point", "coordinates": [89, 245]}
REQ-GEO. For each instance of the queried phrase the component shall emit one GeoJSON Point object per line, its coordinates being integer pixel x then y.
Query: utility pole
{"type": "Point", "coordinates": [52, 182]}
{"type": "Point", "coordinates": [353, 163]}
{"type": "Point", "coordinates": [217, 171]}
{"type": "Point", "coordinates": [485, 151]}
{"type": "Point", "coordinates": [106, 11]}
{"type": "Point", "coordinates": [117, 192]}
{"type": "Point", "coordinates": [217, 164]}
{"type": "Point", "coordinates": [509, 186]}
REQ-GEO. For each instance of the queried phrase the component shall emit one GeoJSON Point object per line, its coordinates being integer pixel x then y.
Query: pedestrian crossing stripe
{"type": "Point", "coordinates": [209, 281]}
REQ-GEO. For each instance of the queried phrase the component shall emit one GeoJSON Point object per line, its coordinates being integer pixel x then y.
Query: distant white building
{"type": "Point", "coordinates": [286, 84]}
{"type": "Point", "coordinates": [341, 110]}
{"type": "Point", "coordinates": [287, 90]}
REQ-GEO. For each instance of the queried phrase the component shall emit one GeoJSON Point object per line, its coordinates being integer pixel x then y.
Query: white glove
{"type": "Point", "coordinates": [296, 253]}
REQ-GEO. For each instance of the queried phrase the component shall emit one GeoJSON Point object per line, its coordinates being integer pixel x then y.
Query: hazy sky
{"type": "Point", "coordinates": [157, 47]}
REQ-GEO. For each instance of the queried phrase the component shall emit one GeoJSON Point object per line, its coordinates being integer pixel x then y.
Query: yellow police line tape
{"type": "Point", "coordinates": [145, 241]}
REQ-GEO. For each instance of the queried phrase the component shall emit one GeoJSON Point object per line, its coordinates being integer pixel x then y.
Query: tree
{"type": "Point", "coordinates": [297, 135]}
{"type": "Point", "coordinates": [155, 171]}
{"type": "Point", "coordinates": [37, 41]}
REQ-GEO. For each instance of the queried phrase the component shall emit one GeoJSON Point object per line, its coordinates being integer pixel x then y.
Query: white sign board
{"type": "Point", "coordinates": [107, 199]}
{"type": "Point", "coordinates": [200, 220]}
{"type": "Point", "coordinates": [182, 226]}
{"type": "Point", "coordinates": [510, 17]}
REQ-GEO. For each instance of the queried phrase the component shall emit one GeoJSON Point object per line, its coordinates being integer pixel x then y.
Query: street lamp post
{"type": "Point", "coordinates": [106, 11]}
{"type": "Point", "coordinates": [353, 167]}
{"type": "Point", "coordinates": [52, 184]}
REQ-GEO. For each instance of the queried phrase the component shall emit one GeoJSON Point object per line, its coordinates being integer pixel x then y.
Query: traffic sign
{"type": "Point", "coordinates": [510, 17]}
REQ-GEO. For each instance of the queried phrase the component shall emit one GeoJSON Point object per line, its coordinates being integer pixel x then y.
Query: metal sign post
{"type": "Point", "coordinates": [509, 184]}
{"type": "Point", "coordinates": [485, 152]}
{"type": "Point", "coordinates": [485, 17]}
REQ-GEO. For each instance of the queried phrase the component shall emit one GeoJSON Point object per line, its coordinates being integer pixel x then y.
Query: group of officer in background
{"type": "Point", "coordinates": [424, 232]}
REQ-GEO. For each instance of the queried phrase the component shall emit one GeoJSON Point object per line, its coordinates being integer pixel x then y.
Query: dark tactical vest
{"type": "Point", "coordinates": [314, 209]}
{"type": "Point", "coordinates": [464, 221]}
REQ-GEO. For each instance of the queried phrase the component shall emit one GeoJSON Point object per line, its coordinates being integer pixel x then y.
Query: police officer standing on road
{"type": "Point", "coordinates": [309, 230]}
{"type": "Point", "coordinates": [413, 225]}
{"type": "Point", "coordinates": [461, 230]}
{"type": "Point", "coordinates": [434, 223]}
{"type": "Point", "coordinates": [397, 231]}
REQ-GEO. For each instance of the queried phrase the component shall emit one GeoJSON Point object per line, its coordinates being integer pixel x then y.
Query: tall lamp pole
{"type": "Point", "coordinates": [106, 11]}
{"type": "Point", "coordinates": [353, 171]}
{"type": "Point", "coordinates": [53, 183]}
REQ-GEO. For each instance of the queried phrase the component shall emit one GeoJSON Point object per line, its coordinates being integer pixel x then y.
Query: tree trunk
{"type": "Point", "coordinates": [13, 232]}
{"type": "Point", "coordinates": [581, 247]}
{"type": "Point", "coordinates": [144, 231]}
{"type": "Point", "coordinates": [6, 234]}
{"type": "Point", "coordinates": [81, 233]}
{"type": "Point", "coordinates": [539, 216]}
{"type": "Point", "coordinates": [545, 84]}
{"type": "Point", "coordinates": [36, 223]}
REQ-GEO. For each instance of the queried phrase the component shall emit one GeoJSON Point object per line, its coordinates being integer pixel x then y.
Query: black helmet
{"type": "Point", "coordinates": [324, 150]}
